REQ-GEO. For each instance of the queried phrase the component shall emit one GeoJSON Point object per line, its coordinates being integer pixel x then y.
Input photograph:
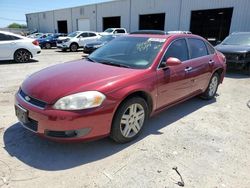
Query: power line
{"type": "Point", "coordinates": [2, 18]}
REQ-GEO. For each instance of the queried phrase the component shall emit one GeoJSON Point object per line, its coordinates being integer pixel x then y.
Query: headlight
{"type": "Point", "coordinates": [66, 40]}
{"type": "Point", "coordinates": [80, 101]}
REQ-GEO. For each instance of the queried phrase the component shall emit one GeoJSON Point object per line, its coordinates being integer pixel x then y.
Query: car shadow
{"type": "Point", "coordinates": [51, 156]}
{"type": "Point", "coordinates": [5, 62]}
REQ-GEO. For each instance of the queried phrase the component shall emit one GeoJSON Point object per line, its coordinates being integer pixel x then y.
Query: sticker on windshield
{"type": "Point", "coordinates": [156, 40]}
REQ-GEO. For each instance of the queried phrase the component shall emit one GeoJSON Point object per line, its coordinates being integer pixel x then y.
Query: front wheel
{"type": "Point", "coordinates": [47, 45]}
{"type": "Point", "coordinates": [129, 120]}
{"type": "Point", "coordinates": [212, 87]}
{"type": "Point", "coordinates": [73, 47]}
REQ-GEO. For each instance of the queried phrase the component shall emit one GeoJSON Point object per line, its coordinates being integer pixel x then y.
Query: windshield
{"type": "Point", "coordinates": [74, 34]}
{"type": "Point", "coordinates": [132, 52]}
{"type": "Point", "coordinates": [237, 39]}
{"type": "Point", "coordinates": [109, 30]}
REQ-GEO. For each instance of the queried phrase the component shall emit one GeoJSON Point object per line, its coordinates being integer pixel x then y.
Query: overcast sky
{"type": "Point", "coordinates": [15, 10]}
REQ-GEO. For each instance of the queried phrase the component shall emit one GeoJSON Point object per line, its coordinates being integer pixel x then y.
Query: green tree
{"type": "Point", "coordinates": [16, 25]}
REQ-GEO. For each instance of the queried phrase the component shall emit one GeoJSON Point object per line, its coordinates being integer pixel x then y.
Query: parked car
{"type": "Point", "coordinates": [92, 46]}
{"type": "Point", "coordinates": [117, 87]}
{"type": "Point", "coordinates": [39, 35]}
{"type": "Point", "coordinates": [114, 31]}
{"type": "Point", "coordinates": [50, 41]}
{"type": "Point", "coordinates": [18, 48]}
{"type": "Point", "coordinates": [236, 48]}
{"type": "Point", "coordinates": [76, 40]}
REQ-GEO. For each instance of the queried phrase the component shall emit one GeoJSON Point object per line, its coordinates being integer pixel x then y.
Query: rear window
{"type": "Point", "coordinates": [4, 37]}
{"type": "Point", "coordinates": [197, 48]}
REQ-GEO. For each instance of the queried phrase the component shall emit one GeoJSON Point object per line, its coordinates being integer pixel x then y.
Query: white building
{"type": "Point", "coordinates": [209, 18]}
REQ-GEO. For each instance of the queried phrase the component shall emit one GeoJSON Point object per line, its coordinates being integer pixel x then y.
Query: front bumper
{"type": "Point", "coordinates": [61, 125]}
{"type": "Point", "coordinates": [62, 45]}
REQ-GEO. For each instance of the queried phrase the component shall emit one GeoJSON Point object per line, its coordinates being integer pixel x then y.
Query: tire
{"type": "Point", "coordinates": [73, 47]}
{"type": "Point", "coordinates": [129, 120]}
{"type": "Point", "coordinates": [47, 45]}
{"type": "Point", "coordinates": [22, 56]}
{"type": "Point", "coordinates": [212, 87]}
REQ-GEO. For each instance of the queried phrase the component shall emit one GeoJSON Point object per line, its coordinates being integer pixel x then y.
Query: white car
{"type": "Point", "coordinates": [114, 31]}
{"type": "Point", "coordinates": [18, 48]}
{"type": "Point", "coordinates": [76, 40]}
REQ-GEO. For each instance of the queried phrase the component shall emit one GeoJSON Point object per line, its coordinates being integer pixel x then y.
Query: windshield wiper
{"type": "Point", "coordinates": [113, 64]}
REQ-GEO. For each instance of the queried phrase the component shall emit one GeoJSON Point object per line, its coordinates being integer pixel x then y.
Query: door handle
{"type": "Point", "coordinates": [188, 69]}
{"type": "Point", "coordinates": [211, 62]}
{"type": "Point", "coordinates": [13, 43]}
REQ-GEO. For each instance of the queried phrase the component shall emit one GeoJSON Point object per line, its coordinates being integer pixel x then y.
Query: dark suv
{"type": "Point", "coordinates": [236, 48]}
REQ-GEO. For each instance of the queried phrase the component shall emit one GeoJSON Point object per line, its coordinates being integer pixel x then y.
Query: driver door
{"type": "Point", "coordinates": [174, 83]}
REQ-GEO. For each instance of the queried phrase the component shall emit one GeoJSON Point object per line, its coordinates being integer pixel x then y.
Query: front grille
{"type": "Point", "coordinates": [32, 125]}
{"type": "Point", "coordinates": [59, 41]}
{"type": "Point", "coordinates": [231, 56]}
{"type": "Point", "coordinates": [32, 100]}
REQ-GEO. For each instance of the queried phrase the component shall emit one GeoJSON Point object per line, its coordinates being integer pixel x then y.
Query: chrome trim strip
{"type": "Point", "coordinates": [29, 102]}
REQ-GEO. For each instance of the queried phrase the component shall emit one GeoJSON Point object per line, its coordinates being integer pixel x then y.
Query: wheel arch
{"type": "Point", "coordinates": [22, 49]}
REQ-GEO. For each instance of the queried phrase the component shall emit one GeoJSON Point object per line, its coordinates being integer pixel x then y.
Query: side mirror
{"type": "Point", "coordinates": [172, 61]}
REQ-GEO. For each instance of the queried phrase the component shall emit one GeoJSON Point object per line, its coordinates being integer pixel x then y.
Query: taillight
{"type": "Point", "coordinates": [35, 42]}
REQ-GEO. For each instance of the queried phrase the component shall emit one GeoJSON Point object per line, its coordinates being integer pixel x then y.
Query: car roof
{"type": "Point", "coordinates": [13, 34]}
{"type": "Point", "coordinates": [176, 35]}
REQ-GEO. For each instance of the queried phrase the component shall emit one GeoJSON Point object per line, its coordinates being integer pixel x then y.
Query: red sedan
{"type": "Point", "coordinates": [114, 90]}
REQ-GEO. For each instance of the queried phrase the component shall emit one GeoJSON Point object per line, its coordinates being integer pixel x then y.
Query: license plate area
{"type": "Point", "coordinates": [22, 114]}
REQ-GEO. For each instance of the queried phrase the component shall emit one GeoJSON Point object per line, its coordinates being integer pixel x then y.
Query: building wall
{"type": "Point", "coordinates": [240, 18]}
{"type": "Point", "coordinates": [169, 7]}
{"type": "Point", "coordinates": [178, 14]}
{"type": "Point", "coordinates": [114, 8]}
{"type": "Point", "coordinates": [46, 22]}
{"type": "Point", "coordinates": [84, 12]}
{"type": "Point", "coordinates": [63, 14]}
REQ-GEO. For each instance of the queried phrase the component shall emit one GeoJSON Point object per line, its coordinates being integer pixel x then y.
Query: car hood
{"type": "Point", "coordinates": [233, 48]}
{"type": "Point", "coordinates": [57, 81]}
{"type": "Point", "coordinates": [63, 38]}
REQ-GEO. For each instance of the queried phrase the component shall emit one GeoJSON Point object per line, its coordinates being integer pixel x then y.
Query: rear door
{"type": "Point", "coordinates": [174, 82]}
{"type": "Point", "coordinates": [200, 60]}
{"type": "Point", "coordinates": [7, 46]}
{"type": "Point", "coordinates": [87, 38]}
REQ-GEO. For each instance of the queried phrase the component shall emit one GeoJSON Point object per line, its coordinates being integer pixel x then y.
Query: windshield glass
{"type": "Point", "coordinates": [109, 30]}
{"type": "Point", "coordinates": [237, 39]}
{"type": "Point", "coordinates": [74, 34]}
{"type": "Point", "coordinates": [132, 52]}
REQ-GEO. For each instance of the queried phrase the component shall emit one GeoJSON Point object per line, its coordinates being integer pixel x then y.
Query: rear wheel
{"type": "Point", "coordinates": [73, 47]}
{"type": "Point", "coordinates": [22, 56]}
{"type": "Point", "coordinates": [47, 45]}
{"type": "Point", "coordinates": [212, 87]}
{"type": "Point", "coordinates": [129, 120]}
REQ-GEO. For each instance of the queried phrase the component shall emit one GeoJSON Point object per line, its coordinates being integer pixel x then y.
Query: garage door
{"type": "Point", "coordinates": [83, 24]}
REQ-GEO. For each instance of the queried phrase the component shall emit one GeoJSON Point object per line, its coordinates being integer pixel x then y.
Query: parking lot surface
{"type": "Point", "coordinates": [208, 142]}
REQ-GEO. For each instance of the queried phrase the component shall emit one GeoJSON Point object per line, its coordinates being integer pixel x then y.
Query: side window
{"type": "Point", "coordinates": [83, 35]}
{"type": "Point", "coordinates": [210, 49]}
{"type": "Point", "coordinates": [119, 31]}
{"type": "Point", "coordinates": [177, 49]}
{"type": "Point", "coordinates": [2, 37]}
{"type": "Point", "coordinates": [92, 35]}
{"type": "Point", "coordinates": [197, 48]}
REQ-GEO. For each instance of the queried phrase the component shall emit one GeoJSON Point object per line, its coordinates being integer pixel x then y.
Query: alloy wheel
{"type": "Point", "coordinates": [132, 120]}
{"type": "Point", "coordinates": [213, 86]}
